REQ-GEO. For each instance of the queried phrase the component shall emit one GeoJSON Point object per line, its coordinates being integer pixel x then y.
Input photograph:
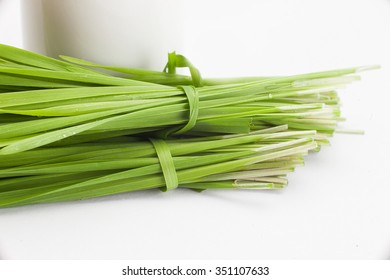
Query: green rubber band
{"type": "Point", "coordinates": [167, 165]}
{"type": "Point", "coordinates": [193, 109]}
{"type": "Point", "coordinates": [193, 103]}
{"type": "Point", "coordinates": [180, 61]}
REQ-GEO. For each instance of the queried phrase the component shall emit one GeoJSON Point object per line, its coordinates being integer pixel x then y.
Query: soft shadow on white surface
{"type": "Point", "coordinates": [10, 23]}
{"type": "Point", "coordinates": [139, 33]}
{"type": "Point", "coordinates": [32, 26]}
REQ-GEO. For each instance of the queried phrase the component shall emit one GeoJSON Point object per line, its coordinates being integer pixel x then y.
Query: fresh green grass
{"type": "Point", "coordinates": [70, 131]}
{"type": "Point", "coordinates": [128, 164]}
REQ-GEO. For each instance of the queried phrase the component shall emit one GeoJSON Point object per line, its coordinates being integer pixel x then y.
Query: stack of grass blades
{"type": "Point", "coordinates": [258, 160]}
{"type": "Point", "coordinates": [69, 130]}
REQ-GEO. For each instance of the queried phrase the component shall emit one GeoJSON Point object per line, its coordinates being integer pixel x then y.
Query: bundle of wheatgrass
{"type": "Point", "coordinates": [70, 131]}
{"type": "Point", "coordinates": [259, 160]}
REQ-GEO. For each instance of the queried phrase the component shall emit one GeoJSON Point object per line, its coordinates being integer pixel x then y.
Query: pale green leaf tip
{"type": "Point", "coordinates": [367, 68]}
{"type": "Point", "coordinates": [350, 131]}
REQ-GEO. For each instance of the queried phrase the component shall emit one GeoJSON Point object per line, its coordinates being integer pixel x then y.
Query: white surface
{"type": "Point", "coordinates": [336, 207]}
{"type": "Point", "coordinates": [126, 32]}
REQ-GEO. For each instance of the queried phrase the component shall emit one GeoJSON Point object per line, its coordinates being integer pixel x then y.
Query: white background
{"type": "Point", "coordinates": [335, 207]}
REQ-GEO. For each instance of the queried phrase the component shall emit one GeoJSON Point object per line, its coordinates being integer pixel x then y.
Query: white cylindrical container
{"type": "Point", "coordinates": [130, 33]}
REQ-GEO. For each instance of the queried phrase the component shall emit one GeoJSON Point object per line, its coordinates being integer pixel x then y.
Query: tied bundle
{"type": "Point", "coordinates": [69, 130]}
